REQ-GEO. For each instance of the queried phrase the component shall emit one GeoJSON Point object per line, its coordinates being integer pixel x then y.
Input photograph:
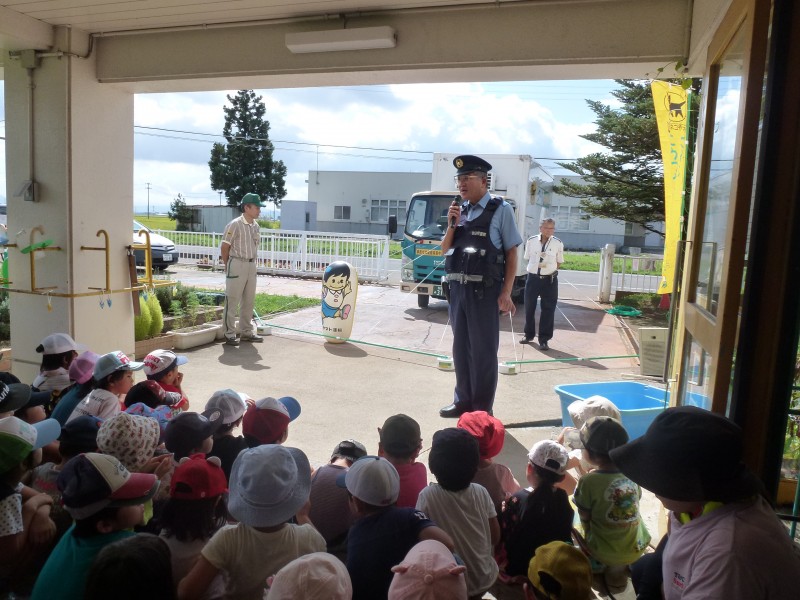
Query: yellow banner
{"type": "Point", "coordinates": [672, 107]}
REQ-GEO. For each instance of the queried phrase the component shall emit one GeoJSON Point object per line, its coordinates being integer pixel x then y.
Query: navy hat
{"type": "Point", "coordinates": [187, 431]}
{"type": "Point", "coordinates": [689, 454]}
{"type": "Point", "coordinates": [466, 163]}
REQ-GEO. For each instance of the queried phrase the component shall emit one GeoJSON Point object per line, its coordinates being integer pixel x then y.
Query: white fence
{"type": "Point", "coordinates": [629, 273]}
{"type": "Point", "coordinates": [304, 253]}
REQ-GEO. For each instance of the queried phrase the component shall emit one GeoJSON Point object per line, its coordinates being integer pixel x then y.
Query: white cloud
{"type": "Point", "coordinates": [360, 128]}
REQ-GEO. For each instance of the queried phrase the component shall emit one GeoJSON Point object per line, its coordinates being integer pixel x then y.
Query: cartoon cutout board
{"type": "Point", "coordinates": [339, 291]}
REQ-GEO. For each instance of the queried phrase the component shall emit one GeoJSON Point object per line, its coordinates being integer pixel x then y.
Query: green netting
{"type": "Point", "coordinates": [624, 311]}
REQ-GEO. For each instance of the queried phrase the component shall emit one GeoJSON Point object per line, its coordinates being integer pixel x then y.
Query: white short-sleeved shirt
{"type": "Point", "coordinates": [543, 260]}
{"type": "Point", "coordinates": [465, 516]}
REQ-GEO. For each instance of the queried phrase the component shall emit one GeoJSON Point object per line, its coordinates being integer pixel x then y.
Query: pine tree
{"type": "Point", "coordinates": [245, 162]}
{"type": "Point", "coordinates": [626, 184]}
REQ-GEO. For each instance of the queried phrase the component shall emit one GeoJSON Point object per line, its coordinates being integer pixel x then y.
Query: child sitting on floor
{"type": "Point", "coordinates": [463, 509]}
{"type": "Point", "coordinates": [106, 501]}
{"type": "Point", "coordinates": [614, 534]}
{"type": "Point", "coordinates": [196, 509]}
{"type": "Point", "coordinates": [113, 377]}
{"type": "Point", "coordinates": [534, 516]}
{"type": "Point", "coordinates": [400, 444]}
{"type": "Point", "coordinates": [26, 530]}
{"type": "Point", "coordinates": [269, 485]}
{"type": "Point", "coordinates": [495, 477]}
{"type": "Point", "coordinates": [383, 533]}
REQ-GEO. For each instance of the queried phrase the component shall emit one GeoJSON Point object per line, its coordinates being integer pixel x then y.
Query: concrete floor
{"type": "Point", "coordinates": [347, 390]}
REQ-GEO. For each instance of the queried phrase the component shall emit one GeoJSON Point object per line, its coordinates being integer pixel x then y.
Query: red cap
{"type": "Point", "coordinates": [197, 477]}
{"type": "Point", "coordinates": [488, 430]}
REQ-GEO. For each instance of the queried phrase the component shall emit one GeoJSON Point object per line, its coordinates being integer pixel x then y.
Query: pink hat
{"type": "Point", "coordinates": [81, 368]}
{"type": "Point", "coordinates": [428, 572]}
{"type": "Point", "coordinates": [315, 576]}
{"type": "Point", "coordinates": [485, 428]}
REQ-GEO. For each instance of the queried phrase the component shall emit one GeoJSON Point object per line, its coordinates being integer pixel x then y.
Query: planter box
{"type": "Point", "coordinates": [144, 347]}
{"type": "Point", "coordinates": [211, 313]}
{"type": "Point", "coordinates": [199, 335]}
{"type": "Point", "coordinates": [5, 361]}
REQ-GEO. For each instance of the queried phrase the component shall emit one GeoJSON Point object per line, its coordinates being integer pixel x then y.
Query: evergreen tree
{"type": "Point", "coordinates": [244, 163]}
{"type": "Point", "coordinates": [626, 184]}
{"type": "Point", "coordinates": [180, 213]}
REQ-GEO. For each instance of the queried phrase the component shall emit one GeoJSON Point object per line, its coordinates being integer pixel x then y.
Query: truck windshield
{"type": "Point", "coordinates": [427, 217]}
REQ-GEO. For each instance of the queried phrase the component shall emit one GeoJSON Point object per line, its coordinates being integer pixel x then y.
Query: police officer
{"type": "Point", "coordinates": [545, 254]}
{"type": "Point", "coordinates": [239, 251]}
{"type": "Point", "coordinates": [481, 263]}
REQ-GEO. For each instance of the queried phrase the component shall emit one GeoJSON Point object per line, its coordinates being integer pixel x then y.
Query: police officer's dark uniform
{"type": "Point", "coordinates": [544, 253]}
{"type": "Point", "coordinates": [479, 249]}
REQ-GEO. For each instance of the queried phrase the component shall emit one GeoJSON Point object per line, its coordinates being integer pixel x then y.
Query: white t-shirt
{"type": "Point", "coordinates": [249, 557]}
{"type": "Point", "coordinates": [465, 516]}
{"type": "Point", "coordinates": [184, 555]}
{"type": "Point", "coordinates": [47, 381]}
{"type": "Point", "coordinates": [99, 403]}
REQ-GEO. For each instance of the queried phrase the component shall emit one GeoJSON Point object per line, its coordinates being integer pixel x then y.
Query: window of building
{"type": "Point", "coordinates": [341, 213]}
{"type": "Point", "coordinates": [628, 228]}
{"type": "Point", "coordinates": [381, 210]}
{"type": "Point", "coordinates": [570, 218]}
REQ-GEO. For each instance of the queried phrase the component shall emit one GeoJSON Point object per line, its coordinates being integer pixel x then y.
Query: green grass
{"type": "Point", "coordinates": [581, 261]}
{"type": "Point", "coordinates": [156, 222]}
{"type": "Point", "coordinates": [268, 304]}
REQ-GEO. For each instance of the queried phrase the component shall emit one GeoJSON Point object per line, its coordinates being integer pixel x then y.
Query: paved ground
{"type": "Point", "coordinates": [347, 390]}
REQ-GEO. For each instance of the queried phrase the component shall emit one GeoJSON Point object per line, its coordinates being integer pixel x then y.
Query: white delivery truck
{"type": "Point", "coordinates": [422, 266]}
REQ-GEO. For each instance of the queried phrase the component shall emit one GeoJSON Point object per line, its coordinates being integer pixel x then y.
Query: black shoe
{"type": "Point", "coordinates": [451, 412]}
{"type": "Point", "coordinates": [526, 340]}
{"type": "Point", "coordinates": [543, 346]}
{"type": "Point", "coordinates": [231, 341]}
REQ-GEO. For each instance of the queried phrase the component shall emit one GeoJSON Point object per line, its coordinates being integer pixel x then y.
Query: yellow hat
{"type": "Point", "coordinates": [561, 571]}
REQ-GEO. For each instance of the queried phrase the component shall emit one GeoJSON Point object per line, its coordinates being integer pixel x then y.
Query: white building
{"type": "Point", "coordinates": [361, 202]}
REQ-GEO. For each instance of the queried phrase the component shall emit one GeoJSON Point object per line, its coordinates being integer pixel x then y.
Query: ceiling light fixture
{"type": "Point", "coordinates": [336, 40]}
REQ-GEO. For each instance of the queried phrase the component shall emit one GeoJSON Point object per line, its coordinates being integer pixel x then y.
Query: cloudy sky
{"type": "Point", "coordinates": [370, 128]}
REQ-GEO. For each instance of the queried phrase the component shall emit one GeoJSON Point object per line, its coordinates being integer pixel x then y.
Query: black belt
{"type": "Point", "coordinates": [550, 276]}
{"type": "Point", "coordinates": [244, 259]}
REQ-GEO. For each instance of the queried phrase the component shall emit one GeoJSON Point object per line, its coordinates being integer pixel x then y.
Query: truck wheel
{"type": "Point", "coordinates": [422, 300]}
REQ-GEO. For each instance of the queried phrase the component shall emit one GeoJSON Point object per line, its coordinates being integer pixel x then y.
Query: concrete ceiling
{"type": "Point", "coordinates": [171, 45]}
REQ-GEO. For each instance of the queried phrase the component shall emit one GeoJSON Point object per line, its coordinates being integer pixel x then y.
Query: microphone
{"type": "Point", "coordinates": [456, 202]}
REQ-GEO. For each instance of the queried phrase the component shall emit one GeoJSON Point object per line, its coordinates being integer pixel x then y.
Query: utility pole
{"type": "Point", "coordinates": [220, 197]}
{"type": "Point", "coordinates": [148, 200]}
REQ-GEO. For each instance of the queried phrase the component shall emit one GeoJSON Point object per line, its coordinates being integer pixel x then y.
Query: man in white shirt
{"type": "Point", "coordinates": [545, 254]}
{"type": "Point", "coordinates": [239, 252]}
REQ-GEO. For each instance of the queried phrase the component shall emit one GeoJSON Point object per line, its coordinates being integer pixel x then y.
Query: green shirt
{"type": "Point", "coordinates": [615, 534]}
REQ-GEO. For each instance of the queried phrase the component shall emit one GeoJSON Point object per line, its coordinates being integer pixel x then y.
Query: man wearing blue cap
{"type": "Point", "coordinates": [239, 251]}
{"type": "Point", "coordinates": [481, 263]}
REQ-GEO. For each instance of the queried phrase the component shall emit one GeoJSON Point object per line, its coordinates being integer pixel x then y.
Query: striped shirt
{"type": "Point", "coordinates": [243, 238]}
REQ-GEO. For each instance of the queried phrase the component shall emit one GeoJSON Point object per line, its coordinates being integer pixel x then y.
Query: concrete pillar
{"type": "Point", "coordinates": [74, 138]}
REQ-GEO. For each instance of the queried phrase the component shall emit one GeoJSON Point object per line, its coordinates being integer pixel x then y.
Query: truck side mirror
{"type": "Point", "coordinates": [392, 226]}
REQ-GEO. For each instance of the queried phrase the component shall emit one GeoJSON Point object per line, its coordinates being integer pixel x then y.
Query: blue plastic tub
{"type": "Point", "coordinates": [638, 403]}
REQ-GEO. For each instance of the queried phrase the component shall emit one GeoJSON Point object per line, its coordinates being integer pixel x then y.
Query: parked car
{"type": "Point", "coordinates": [162, 250]}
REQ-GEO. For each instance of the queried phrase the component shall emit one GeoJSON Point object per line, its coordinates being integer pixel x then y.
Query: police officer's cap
{"type": "Point", "coordinates": [466, 163]}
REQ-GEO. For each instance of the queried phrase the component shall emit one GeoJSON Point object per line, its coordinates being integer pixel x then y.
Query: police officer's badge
{"type": "Point", "coordinates": [459, 163]}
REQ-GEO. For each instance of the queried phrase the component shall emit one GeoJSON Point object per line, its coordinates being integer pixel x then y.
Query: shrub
{"type": "Point", "coordinates": [156, 315]}
{"type": "Point", "coordinates": [5, 317]}
{"type": "Point", "coordinates": [142, 322]}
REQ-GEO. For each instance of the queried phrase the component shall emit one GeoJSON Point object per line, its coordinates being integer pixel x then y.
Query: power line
{"type": "Point", "coordinates": [309, 151]}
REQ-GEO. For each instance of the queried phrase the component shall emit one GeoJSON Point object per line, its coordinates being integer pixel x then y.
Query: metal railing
{"type": "Point", "coordinates": [283, 252]}
{"type": "Point", "coordinates": [629, 273]}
